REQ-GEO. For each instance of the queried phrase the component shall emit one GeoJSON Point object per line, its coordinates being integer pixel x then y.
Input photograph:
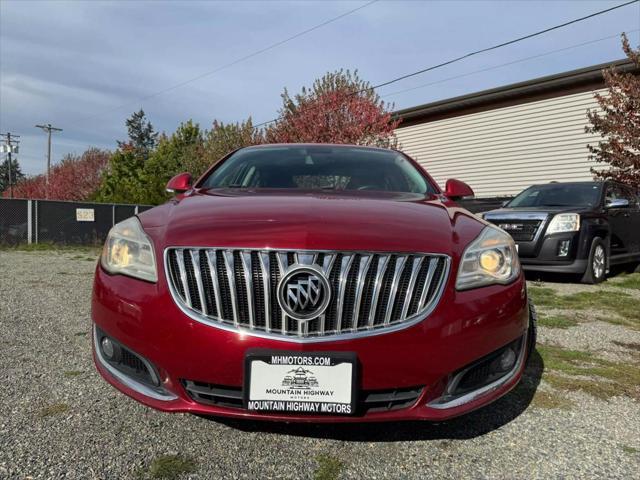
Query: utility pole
{"type": "Point", "coordinates": [10, 146]}
{"type": "Point", "coordinates": [48, 128]}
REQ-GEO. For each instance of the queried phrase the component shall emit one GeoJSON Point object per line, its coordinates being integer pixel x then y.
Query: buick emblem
{"type": "Point", "coordinates": [303, 292]}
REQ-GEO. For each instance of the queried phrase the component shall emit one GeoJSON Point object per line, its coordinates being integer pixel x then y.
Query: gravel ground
{"type": "Point", "coordinates": [59, 419]}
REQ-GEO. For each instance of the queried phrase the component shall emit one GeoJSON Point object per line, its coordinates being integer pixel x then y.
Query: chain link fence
{"type": "Point", "coordinates": [67, 223]}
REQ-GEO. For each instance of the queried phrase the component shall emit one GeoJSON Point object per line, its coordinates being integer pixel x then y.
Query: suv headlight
{"type": "Point", "coordinates": [491, 258]}
{"type": "Point", "coordinates": [564, 222]}
{"type": "Point", "coordinates": [128, 251]}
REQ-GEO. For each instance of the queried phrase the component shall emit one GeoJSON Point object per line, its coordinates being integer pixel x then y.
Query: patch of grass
{"type": "Point", "coordinates": [627, 281]}
{"type": "Point", "coordinates": [629, 450]}
{"type": "Point", "coordinates": [556, 321]}
{"type": "Point", "coordinates": [548, 401]}
{"type": "Point", "coordinates": [596, 376]}
{"type": "Point", "coordinates": [55, 409]}
{"type": "Point", "coordinates": [81, 334]}
{"type": "Point", "coordinates": [72, 373]}
{"type": "Point", "coordinates": [329, 468]}
{"type": "Point", "coordinates": [171, 467]}
{"type": "Point", "coordinates": [596, 388]}
{"type": "Point", "coordinates": [605, 302]}
{"type": "Point", "coordinates": [47, 246]}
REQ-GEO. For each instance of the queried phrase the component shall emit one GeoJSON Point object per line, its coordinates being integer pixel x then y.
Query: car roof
{"type": "Point", "coordinates": [314, 145]}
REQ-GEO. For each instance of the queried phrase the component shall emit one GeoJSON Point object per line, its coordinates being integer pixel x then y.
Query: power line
{"type": "Point", "coordinates": [532, 57]}
{"type": "Point", "coordinates": [478, 52]}
{"type": "Point", "coordinates": [234, 62]}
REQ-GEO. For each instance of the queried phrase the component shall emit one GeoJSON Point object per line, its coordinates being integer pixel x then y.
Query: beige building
{"type": "Point", "coordinates": [503, 140]}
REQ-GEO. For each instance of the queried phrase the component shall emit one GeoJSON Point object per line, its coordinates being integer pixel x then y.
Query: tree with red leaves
{"type": "Point", "coordinates": [619, 124]}
{"type": "Point", "coordinates": [338, 108]}
{"type": "Point", "coordinates": [74, 178]}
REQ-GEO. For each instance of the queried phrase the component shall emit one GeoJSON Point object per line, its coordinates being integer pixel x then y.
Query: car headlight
{"type": "Point", "coordinates": [564, 222]}
{"type": "Point", "coordinates": [128, 251]}
{"type": "Point", "coordinates": [491, 258]}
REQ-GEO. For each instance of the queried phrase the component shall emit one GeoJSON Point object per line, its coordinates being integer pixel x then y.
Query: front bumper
{"type": "Point", "coordinates": [464, 327]}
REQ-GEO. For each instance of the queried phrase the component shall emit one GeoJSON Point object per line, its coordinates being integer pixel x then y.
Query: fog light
{"type": "Point", "coordinates": [507, 359]}
{"type": "Point", "coordinates": [563, 248]}
{"type": "Point", "coordinates": [107, 347]}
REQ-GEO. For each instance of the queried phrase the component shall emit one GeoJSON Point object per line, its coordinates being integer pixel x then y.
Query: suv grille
{"type": "Point", "coordinates": [368, 291]}
{"type": "Point", "coordinates": [520, 230]}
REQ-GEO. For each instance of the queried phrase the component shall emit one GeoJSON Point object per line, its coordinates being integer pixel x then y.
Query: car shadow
{"type": "Point", "coordinates": [472, 425]}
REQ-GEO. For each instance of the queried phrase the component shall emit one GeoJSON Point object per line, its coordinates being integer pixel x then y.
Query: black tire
{"type": "Point", "coordinates": [597, 263]}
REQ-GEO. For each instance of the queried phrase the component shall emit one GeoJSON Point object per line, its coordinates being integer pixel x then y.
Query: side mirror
{"type": "Point", "coordinates": [179, 184]}
{"type": "Point", "coordinates": [455, 189]}
{"type": "Point", "coordinates": [618, 203]}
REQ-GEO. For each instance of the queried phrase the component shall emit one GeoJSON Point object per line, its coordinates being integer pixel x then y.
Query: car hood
{"type": "Point", "coordinates": [313, 221]}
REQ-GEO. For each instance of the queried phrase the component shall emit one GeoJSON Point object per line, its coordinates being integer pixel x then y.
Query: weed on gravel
{"type": "Point", "coordinates": [556, 321]}
{"type": "Point", "coordinates": [576, 370]}
{"type": "Point", "coordinates": [52, 410]}
{"type": "Point", "coordinates": [549, 400]}
{"type": "Point", "coordinates": [168, 467]}
{"type": "Point", "coordinates": [329, 468]}
{"type": "Point", "coordinates": [631, 281]}
{"type": "Point", "coordinates": [624, 306]}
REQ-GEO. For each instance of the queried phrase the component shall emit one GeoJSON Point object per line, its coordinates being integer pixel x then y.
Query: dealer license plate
{"type": "Point", "coordinates": [300, 382]}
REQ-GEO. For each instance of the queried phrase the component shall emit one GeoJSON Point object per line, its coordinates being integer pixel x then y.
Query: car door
{"type": "Point", "coordinates": [622, 210]}
{"type": "Point", "coordinates": [634, 219]}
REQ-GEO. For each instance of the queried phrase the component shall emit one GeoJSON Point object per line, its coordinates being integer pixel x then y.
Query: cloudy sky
{"type": "Point", "coordinates": [84, 66]}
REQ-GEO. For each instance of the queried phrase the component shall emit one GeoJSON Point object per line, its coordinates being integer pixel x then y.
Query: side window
{"type": "Point", "coordinates": [630, 195]}
{"type": "Point", "coordinates": [613, 193]}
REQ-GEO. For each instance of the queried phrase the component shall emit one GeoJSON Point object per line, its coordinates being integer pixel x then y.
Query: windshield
{"type": "Point", "coordinates": [319, 167]}
{"type": "Point", "coordinates": [558, 195]}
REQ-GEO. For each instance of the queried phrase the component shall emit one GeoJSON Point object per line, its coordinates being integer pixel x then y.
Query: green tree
{"type": "Point", "coordinates": [142, 137]}
{"type": "Point", "coordinates": [173, 155]}
{"type": "Point", "coordinates": [16, 174]}
{"type": "Point", "coordinates": [123, 181]}
{"type": "Point", "coordinates": [221, 140]}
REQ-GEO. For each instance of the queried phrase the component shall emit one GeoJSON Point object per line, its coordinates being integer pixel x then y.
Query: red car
{"type": "Point", "coordinates": [349, 262]}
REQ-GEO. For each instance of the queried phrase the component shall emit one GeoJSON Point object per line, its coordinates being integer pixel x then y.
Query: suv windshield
{"type": "Point", "coordinates": [559, 195]}
{"type": "Point", "coordinates": [319, 167]}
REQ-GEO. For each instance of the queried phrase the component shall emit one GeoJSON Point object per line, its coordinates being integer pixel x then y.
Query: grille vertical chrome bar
{"type": "Point", "coordinates": [433, 263]}
{"type": "Point", "coordinates": [327, 265]}
{"type": "Point", "coordinates": [229, 264]}
{"type": "Point", "coordinates": [400, 261]}
{"type": "Point", "coordinates": [213, 269]}
{"type": "Point", "coordinates": [248, 278]}
{"type": "Point", "coordinates": [265, 266]}
{"type": "Point", "coordinates": [345, 268]}
{"type": "Point", "coordinates": [195, 261]}
{"type": "Point", "coordinates": [365, 262]}
{"type": "Point", "coordinates": [283, 264]}
{"type": "Point", "coordinates": [415, 269]}
{"type": "Point", "coordinates": [183, 276]}
{"type": "Point", "coordinates": [383, 262]}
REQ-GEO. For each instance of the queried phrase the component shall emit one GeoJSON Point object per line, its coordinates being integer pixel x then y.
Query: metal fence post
{"type": "Point", "coordinates": [35, 209]}
{"type": "Point", "coordinates": [135, 211]}
{"type": "Point", "coordinates": [29, 222]}
{"type": "Point", "coordinates": [113, 215]}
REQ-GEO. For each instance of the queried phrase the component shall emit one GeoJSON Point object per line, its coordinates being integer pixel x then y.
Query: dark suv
{"type": "Point", "coordinates": [581, 227]}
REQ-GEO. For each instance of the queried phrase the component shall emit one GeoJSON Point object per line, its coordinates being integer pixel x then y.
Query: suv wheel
{"type": "Point", "coordinates": [597, 264]}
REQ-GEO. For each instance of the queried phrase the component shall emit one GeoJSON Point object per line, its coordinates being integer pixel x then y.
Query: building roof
{"type": "Point", "coordinates": [574, 81]}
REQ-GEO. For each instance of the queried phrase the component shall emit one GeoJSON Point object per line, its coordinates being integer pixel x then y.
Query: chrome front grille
{"type": "Point", "coordinates": [236, 289]}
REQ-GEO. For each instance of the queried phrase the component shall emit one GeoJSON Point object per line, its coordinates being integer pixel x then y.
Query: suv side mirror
{"type": "Point", "coordinates": [179, 184]}
{"type": "Point", "coordinates": [455, 189]}
{"type": "Point", "coordinates": [618, 203]}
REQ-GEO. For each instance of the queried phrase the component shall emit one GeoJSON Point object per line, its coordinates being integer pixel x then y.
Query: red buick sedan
{"type": "Point", "coordinates": [318, 283]}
